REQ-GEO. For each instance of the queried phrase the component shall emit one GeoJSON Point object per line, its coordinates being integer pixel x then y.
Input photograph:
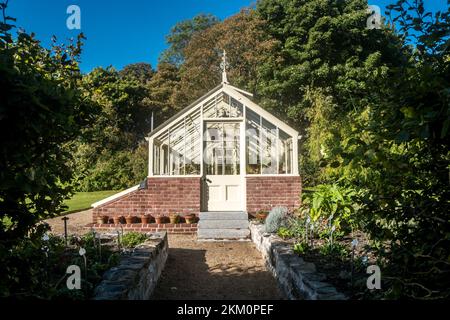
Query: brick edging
{"type": "Point", "coordinates": [179, 228]}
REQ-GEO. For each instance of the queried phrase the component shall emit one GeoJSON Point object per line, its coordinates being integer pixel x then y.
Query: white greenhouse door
{"type": "Point", "coordinates": [222, 179]}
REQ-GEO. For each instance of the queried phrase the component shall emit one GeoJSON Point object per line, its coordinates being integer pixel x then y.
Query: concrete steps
{"type": "Point", "coordinates": [223, 226]}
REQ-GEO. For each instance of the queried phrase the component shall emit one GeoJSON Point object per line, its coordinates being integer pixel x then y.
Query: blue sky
{"type": "Point", "coordinates": [123, 32]}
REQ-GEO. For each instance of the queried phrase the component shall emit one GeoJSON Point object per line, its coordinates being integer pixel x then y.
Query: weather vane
{"type": "Point", "coordinates": [223, 66]}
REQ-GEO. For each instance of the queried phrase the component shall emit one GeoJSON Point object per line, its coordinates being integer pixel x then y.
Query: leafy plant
{"type": "Point", "coordinates": [301, 248]}
{"type": "Point", "coordinates": [332, 204]}
{"type": "Point", "coordinates": [132, 239]}
{"type": "Point", "coordinates": [275, 219]}
{"type": "Point", "coordinates": [336, 250]}
{"type": "Point", "coordinates": [285, 232]}
{"type": "Point", "coordinates": [37, 265]}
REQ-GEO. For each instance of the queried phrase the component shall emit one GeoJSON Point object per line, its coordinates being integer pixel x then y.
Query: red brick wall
{"type": "Point", "coordinates": [180, 228]}
{"type": "Point", "coordinates": [265, 192]}
{"type": "Point", "coordinates": [163, 195]}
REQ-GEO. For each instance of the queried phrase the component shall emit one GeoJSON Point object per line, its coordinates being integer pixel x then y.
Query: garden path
{"type": "Point", "coordinates": [75, 225]}
{"type": "Point", "coordinates": [214, 270]}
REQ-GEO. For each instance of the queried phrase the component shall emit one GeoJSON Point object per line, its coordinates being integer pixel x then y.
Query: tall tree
{"type": "Point", "coordinates": [322, 44]}
{"type": "Point", "coordinates": [160, 90]}
{"type": "Point", "coordinates": [397, 152]}
{"type": "Point", "coordinates": [121, 123]}
{"type": "Point", "coordinates": [41, 109]}
{"type": "Point", "coordinates": [326, 63]}
{"type": "Point", "coordinates": [246, 45]}
{"type": "Point", "coordinates": [140, 71]}
{"type": "Point", "coordinates": [182, 33]}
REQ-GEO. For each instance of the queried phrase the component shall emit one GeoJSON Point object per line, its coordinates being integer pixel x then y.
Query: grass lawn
{"type": "Point", "coordinates": [83, 200]}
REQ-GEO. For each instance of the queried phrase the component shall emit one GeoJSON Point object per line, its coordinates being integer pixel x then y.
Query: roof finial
{"type": "Point", "coordinates": [224, 65]}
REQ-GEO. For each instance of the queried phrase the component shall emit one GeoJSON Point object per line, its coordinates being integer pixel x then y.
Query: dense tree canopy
{"type": "Point", "coordinates": [182, 33]}
{"type": "Point", "coordinates": [139, 71]}
{"type": "Point", "coordinates": [245, 51]}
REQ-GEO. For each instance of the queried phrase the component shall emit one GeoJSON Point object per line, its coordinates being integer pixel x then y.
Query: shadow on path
{"type": "Point", "coordinates": [216, 271]}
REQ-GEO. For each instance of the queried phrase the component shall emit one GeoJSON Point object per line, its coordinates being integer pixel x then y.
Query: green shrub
{"type": "Point", "coordinates": [275, 219]}
{"type": "Point", "coordinates": [301, 247]}
{"type": "Point", "coordinates": [331, 205]}
{"type": "Point", "coordinates": [132, 239]}
{"type": "Point", "coordinates": [36, 266]}
{"type": "Point", "coordinates": [285, 232]}
{"type": "Point", "coordinates": [336, 250]}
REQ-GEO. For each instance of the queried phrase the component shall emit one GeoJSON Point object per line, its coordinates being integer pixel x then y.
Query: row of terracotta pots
{"type": "Point", "coordinates": [145, 219]}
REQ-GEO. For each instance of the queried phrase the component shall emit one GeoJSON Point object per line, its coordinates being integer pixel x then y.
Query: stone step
{"type": "Point", "coordinates": [223, 215]}
{"type": "Point", "coordinates": [223, 224]}
{"type": "Point", "coordinates": [223, 234]}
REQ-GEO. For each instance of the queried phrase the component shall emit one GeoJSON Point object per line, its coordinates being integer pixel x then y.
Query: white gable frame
{"type": "Point", "coordinates": [240, 96]}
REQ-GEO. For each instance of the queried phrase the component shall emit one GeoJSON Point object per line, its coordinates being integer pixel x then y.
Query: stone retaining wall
{"type": "Point", "coordinates": [137, 274]}
{"type": "Point", "coordinates": [297, 278]}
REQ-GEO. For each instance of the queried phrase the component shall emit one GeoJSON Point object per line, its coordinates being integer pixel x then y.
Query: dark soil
{"type": "Point", "coordinates": [347, 277]}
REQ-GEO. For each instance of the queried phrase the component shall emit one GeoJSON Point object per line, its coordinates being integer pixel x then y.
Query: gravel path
{"type": "Point", "coordinates": [214, 270]}
{"type": "Point", "coordinates": [75, 224]}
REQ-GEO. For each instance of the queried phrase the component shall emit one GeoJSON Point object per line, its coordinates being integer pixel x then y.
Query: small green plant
{"type": "Point", "coordinates": [132, 239]}
{"type": "Point", "coordinates": [296, 225]}
{"type": "Point", "coordinates": [285, 232]}
{"type": "Point", "coordinates": [275, 219]}
{"type": "Point", "coordinates": [336, 250]}
{"type": "Point", "coordinates": [301, 248]}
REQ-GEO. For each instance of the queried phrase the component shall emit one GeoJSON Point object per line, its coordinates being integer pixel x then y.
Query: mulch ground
{"type": "Point", "coordinates": [214, 270]}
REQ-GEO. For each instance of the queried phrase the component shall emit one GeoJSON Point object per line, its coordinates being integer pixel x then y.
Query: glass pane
{"type": "Point", "coordinates": [176, 146]}
{"type": "Point", "coordinates": [180, 151]}
{"type": "Point", "coordinates": [213, 158]}
{"type": "Point", "coordinates": [165, 160]}
{"type": "Point", "coordinates": [269, 147]}
{"type": "Point", "coordinates": [222, 106]}
{"type": "Point", "coordinates": [236, 108]}
{"type": "Point", "coordinates": [192, 146]}
{"type": "Point", "coordinates": [284, 153]}
{"type": "Point", "coordinates": [253, 159]}
{"type": "Point", "coordinates": [222, 148]}
{"type": "Point", "coordinates": [231, 148]}
{"type": "Point", "coordinates": [156, 160]}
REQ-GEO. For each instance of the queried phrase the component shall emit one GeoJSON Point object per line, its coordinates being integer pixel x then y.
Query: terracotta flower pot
{"type": "Point", "coordinates": [262, 215]}
{"type": "Point", "coordinates": [102, 219]}
{"type": "Point", "coordinates": [145, 219]}
{"type": "Point", "coordinates": [158, 219]}
{"type": "Point", "coordinates": [129, 219]}
{"type": "Point", "coordinates": [117, 219]}
{"type": "Point", "coordinates": [174, 218]}
{"type": "Point", "coordinates": [189, 218]}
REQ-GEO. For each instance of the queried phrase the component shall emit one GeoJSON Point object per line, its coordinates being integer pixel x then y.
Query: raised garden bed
{"type": "Point", "coordinates": [136, 275]}
{"type": "Point", "coordinates": [47, 262]}
{"type": "Point", "coordinates": [343, 267]}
